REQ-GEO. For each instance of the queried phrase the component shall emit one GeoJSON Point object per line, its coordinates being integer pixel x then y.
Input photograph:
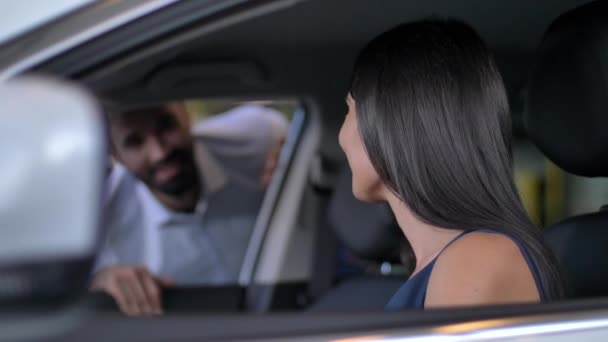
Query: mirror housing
{"type": "Point", "coordinates": [52, 145]}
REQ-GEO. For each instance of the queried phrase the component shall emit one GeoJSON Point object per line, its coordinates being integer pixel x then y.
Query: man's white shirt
{"type": "Point", "coordinates": [203, 247]}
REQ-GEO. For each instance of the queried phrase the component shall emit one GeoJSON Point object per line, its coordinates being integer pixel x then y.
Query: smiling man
{"type": "Point", "coordinates": [156, 146]}
{"type": "Point", "coordinates": [174, 214]}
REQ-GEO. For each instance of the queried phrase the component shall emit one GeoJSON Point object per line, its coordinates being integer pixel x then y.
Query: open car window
{"type": "Point", "coordinates": [224, 155]}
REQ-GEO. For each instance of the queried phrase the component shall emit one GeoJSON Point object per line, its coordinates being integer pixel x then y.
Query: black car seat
{"type": "Point", "coordinates": [566, 114]}
{"type": "Point", "coordinates": [371, 233]}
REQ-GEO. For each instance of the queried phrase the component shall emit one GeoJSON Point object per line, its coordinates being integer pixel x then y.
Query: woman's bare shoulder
{"type": "Point", "coordinates": [481, 269]}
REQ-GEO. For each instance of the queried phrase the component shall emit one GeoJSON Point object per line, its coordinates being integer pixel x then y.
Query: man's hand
{"type": "Point", "coordinates": [135, 289]}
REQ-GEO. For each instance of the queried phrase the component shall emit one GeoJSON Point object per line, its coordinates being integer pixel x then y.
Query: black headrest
{"type": "Point", "coordinates": [369, 230]}
{"type": "Point", "coordinates": [566, 109]}
{"type": "Point", "coordinates": [581, 246]}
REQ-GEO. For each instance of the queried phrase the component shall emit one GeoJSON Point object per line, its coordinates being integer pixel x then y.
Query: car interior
{"type": "Point", "coordinates": [315, 248]}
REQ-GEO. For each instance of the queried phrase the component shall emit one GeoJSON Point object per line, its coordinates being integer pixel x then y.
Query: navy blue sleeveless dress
{"type": "Point", "coordinates": [413, 293]}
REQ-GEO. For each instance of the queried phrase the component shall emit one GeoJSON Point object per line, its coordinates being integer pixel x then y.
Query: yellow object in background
{"type": "Point", "coordinates": [529, 186]}
{"type": "Point", "coordinates": [554, 193]}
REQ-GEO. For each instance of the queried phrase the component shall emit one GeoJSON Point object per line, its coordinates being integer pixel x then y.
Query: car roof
{"type": "Point", "coordinates": [291, 48]}
{"type": "Point", "coordinates": [21, 17]}
{"type": "Point", "coordinates": [57, 27]}
{"type": "Point", "coordinates": [317, 40]}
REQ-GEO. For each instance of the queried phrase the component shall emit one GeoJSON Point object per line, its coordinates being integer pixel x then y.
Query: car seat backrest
{"type": "Point", "coordinates": [566, 115]}
{"type": "Point", "coordinates": [371, 232]}
{"type": "Point", "coordinates": [581, 245]}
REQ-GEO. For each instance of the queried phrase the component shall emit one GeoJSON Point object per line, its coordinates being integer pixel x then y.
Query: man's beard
{"type": "Point", "coordinates": [184, 181]}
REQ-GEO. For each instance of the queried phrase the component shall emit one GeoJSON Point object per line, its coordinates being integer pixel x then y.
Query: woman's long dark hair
{"type": "Point", "coordinates": [434, 118]}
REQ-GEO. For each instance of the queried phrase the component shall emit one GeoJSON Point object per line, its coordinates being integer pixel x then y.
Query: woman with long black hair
{"type": "Point", "coordinates": [429, 131]}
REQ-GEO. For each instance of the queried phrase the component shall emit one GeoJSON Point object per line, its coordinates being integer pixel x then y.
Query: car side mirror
{"type": "Point", "coordinates": [53, 158]}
